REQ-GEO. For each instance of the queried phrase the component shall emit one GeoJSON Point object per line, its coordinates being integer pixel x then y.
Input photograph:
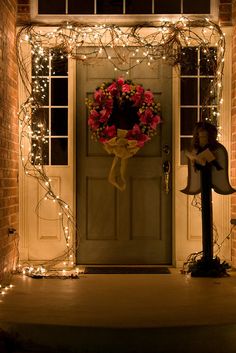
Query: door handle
{"type": "Point", "coordinates": [166, 171]}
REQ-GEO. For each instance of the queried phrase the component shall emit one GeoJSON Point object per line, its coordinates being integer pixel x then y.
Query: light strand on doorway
{"type": "Point", "coordinates": [124, 48]}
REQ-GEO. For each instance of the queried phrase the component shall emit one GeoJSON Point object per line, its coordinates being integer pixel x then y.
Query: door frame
{"type": "Point", "coordinates": [183, 240]}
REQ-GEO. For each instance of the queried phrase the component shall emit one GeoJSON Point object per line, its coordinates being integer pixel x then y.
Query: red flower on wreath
{"type": "Point", "coordinates": [121, 104]}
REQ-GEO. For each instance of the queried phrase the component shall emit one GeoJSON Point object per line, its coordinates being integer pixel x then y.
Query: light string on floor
{"type": "Point", "coordinates": [124, 48]}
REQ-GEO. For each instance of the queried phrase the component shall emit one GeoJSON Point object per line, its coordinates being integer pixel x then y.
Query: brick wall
{"type": "Point", "coordinates": [23, 11]}
{"type": "Point", "coordinates": [8, 138]}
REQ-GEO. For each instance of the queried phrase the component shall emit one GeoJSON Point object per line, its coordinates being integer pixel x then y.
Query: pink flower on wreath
{"type": "Point", "coordinates": [108, 133]}
{"type": "Point", "coordinates": [155, 121]}
{"type": "Point", "coordinates": [136, 98]}
{"type": "Point", "coordinates": [98, 94]}
{"type": "Point", "coordinates": [120, 81]}
{"type": "Point", "coordinates": [142, 139]}
{"type": "Point", "coordinates": [94, 124]}
{"type": "Point", "coordinates": [148, 97]}
{"type": "Point", "coordinates": [104, 115]}
{"type": "Point", "coordinates": [136, 134]}
{"type": "Point", "coordinates": [136, 130]}
{"type": "Point", "coordinates": [140, 89]}
{"type": "Point", "coordinates": [112, 88]}
{"type": "Point", "coordinates": [146, 116]}
{"type": "Point", "coordinates": [109, 104]}
{"type": "Point", "coordinates": [126, 88]}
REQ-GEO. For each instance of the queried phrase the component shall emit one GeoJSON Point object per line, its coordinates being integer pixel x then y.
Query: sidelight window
{"type": "Point", "coordinates": [50, 119]}
{"type": "Point", "coordinates": [197, 75]}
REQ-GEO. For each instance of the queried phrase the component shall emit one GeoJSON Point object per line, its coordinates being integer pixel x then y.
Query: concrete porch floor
{"type": "Point", "coordinates": [122, 313]}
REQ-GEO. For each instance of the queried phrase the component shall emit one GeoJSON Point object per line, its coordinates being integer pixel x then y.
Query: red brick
{"type": "Point", "coordinates": [9, 201]}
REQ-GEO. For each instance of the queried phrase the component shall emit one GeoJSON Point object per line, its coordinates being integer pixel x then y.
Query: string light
{"type": "Point", "coordinates": [125, 48]}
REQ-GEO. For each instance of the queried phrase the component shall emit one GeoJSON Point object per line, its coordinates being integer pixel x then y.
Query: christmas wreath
{"type": "Point", "coordinates": [121, 104]}
{"type": "Point", "coordinates": [123, 116]}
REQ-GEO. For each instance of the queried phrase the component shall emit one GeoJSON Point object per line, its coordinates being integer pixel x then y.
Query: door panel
{"type": "Point", "coordinates": [134, 226]}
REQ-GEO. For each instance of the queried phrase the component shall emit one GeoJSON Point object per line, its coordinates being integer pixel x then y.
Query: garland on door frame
{"type": "Point", "coordinates": [125, 48]}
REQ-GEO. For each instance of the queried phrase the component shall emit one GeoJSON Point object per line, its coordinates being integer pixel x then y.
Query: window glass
{"type": "Point", "coordinates": [188, 118]}
{"type": "Point", "coordinates": [59, 151]}
{"type": "Point", "coordinates": [59, 93]}
{"type": "Point", "coordinates": [208, 113]}
{"type": "Point", "coordinates": [198, 96]}
{"type": "Point", "coordinates": [51, 7]}
{"type": "Point", "coordinates": [167, 7]}
{"type": "Point", "coordinates": [40, 152]}
{"type": "Point", "coordinates": [40, 116]}
{"type": "Point", "coordinates": [208, 62]}
{"type": "Point", "coordinates": [189, 61]}
{"type": "Point", "coordinates": [40, 65]}
{"type": "Point", "coordinates": [40, 89]}
{"type": "Point", "coordinates": [207, 92]}
{"type": "Point", "coordinates": [59, 121]}
{"type": "Point", "coordinates": [59, 64]}
{"type": "Point", "coordinates": [138, 6]}
{"type": "Point", "coordinates": [188, 91]}
{"type": "Point", "coordinates": [197, 6]}
{"type": "Point", "coordinates": [109, 6]}
{"type": "Point", "coordinates": [80, 6]}
{"type": "Point", "coordinates": [49, 122]}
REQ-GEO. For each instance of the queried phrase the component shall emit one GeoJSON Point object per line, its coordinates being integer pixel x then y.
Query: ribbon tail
{"type": "Point", "coordinates": [117, 173]}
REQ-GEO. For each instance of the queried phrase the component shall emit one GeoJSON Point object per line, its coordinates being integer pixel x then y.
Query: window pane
{"type": "Point", "coordinates": [199, 6]}
{"type": "Point", "coordinates": [59, 64]}
{"type": "Point", "coordinates": [51, 7]}
{"type": "Point", "coordinates": [207, 92]}
{"type": "Point", "coordinates": [40, 90]}
{"type": "Point", "coordinates": [59, 91]}
{"type": "Point", "coordinates": [40, 152]}
{"type": "Point", "coordinates": [138, 6]}
{"type": "Point", "coordinates": [185, 145]}
{"type": "Point", "coordinates": [208, 62]}
{"type": "Point", "coordinates": [59, 121]}
{"type": "Point", "coordinates": [208, 113]}
{"type": "Point", "coordinates": [188, 91]}
{"type": "Point", "coordinates": [189, 61]}
{"type": "Point", "coordinates": [109, 6]}
{"type": "Point", "coordinates": [40, 65]}
{"type": "Point", "coordinates": [188, 120]}
{"type": "Point", "coordinates": [59, 151]}
{"type": "Point", "coordinates": [40, 117]}
{"type": "Point", "coordinates": [80, 6]}
{"type": "Point", "coordinates": [165, 7]}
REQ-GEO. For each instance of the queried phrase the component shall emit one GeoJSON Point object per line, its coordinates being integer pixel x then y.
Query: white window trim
{"type": "Point", "coordinates": [118, 19]}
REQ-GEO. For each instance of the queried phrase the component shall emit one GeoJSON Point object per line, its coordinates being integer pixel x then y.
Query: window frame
{"type": "Point", "coordinates": [198, 105]}
{"type": "Point", "coordinates": [118, 18]}
{"type": "Point", "coordinates": [49, 106]}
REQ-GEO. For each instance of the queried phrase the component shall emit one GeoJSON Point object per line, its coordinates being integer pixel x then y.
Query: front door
{"type": "Point", "coordinates": [133, 226]}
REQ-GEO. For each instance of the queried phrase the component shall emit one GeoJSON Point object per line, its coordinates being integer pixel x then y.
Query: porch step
{"type": "Point", "coordinates": [71, 339]}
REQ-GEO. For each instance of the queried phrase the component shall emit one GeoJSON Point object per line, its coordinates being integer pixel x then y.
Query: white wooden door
{"type": "Point", "coordinates": [134, 226]}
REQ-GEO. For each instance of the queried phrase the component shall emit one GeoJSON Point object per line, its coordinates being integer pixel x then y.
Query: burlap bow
{"type": "Point", "coordinates": [123, 149]}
